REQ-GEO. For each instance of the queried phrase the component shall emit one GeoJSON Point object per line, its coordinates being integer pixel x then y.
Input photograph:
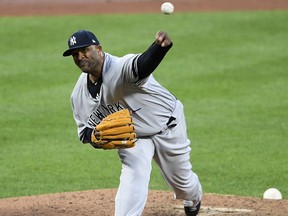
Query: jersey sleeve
{"type": "Point", "coordinates": [82, 105]}
{"type": "Point", "coordinates": [129, 72]}
{"type": "Point", "coordinates": [80, 125]}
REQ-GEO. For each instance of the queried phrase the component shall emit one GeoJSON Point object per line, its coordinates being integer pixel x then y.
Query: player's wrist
{"type": "Point", "coordinates": [95, 136]}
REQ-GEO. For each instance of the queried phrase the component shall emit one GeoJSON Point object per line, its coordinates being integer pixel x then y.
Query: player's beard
{"type": "Point", "coordinates": [84, 65]}
{"type": "Point", "coordinates": [87, 66]}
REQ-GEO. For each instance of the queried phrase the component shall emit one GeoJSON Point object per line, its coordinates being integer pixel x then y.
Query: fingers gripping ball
{"type": "Point", "coordinates": [115, 131]}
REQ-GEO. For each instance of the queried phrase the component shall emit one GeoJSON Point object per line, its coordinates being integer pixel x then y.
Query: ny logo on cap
{"type": "Point", "coordinates": [73, 41]}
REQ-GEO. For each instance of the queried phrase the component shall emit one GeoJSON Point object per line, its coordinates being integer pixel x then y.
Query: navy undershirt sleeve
{"type": "Point", "coordinates": [86, 137]}
{"type": "Point", "coordinates": [148, 61]}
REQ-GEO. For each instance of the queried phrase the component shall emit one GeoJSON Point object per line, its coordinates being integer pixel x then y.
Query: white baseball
{"type": "Point", "coordinates": [167, 8]}
{"type": "Point", "coordinates": [272, 193]}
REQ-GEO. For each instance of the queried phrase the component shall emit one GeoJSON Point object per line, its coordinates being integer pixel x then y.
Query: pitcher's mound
{"type": "Point", "coordinates": [159, 203]}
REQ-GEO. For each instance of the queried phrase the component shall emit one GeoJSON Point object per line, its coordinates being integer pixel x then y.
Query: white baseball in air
{"type": "Point", "coordinates": [167, 8]}
{"type": "Point", "coordinates": [272, 193]}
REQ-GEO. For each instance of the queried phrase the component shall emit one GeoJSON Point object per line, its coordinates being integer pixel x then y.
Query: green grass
{"type": "Point", "coordinates": [229, 70]}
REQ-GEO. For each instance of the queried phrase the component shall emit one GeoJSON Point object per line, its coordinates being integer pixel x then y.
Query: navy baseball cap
{"type": "Point", "coordinates": [80, 39]}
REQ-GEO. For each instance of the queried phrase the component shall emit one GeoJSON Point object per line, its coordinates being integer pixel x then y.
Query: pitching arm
{"type": "Point", "coordinates": [151, 58]}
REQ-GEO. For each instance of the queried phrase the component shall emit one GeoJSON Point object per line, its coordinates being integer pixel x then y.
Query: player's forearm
{"type": "Point", "coordinates": [150, 59]}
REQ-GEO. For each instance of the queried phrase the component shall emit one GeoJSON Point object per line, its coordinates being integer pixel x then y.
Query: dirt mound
{"type": "Point", "coordinates": [160, 203]}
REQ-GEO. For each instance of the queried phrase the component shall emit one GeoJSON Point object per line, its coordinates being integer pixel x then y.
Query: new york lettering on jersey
{"type": "Point", "coordinates": [102, 111]}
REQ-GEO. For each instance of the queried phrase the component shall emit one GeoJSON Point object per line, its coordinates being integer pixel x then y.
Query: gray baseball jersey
{"type": "Point", "coordinates": [150, 103]}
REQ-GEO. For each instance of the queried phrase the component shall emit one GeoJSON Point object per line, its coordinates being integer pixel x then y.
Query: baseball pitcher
{"type": "Point", "coordinates": [118, 104]}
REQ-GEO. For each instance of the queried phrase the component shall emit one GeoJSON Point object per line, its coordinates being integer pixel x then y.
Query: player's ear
{"type": "Point", "coordinates": [99, 50]}
{"type": "Point", "coordinates": [98, 47]}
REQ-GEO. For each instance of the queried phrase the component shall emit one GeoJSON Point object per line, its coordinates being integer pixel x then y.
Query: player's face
{"type": "Point", "coordinates": [89, 59]}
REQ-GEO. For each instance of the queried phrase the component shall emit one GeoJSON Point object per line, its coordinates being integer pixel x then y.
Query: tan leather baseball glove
{"type": "Point", "coordinates": [115, 131]}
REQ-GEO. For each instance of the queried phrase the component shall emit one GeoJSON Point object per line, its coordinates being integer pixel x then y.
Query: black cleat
{"type": "Point", "coordinates": [192, 211]}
